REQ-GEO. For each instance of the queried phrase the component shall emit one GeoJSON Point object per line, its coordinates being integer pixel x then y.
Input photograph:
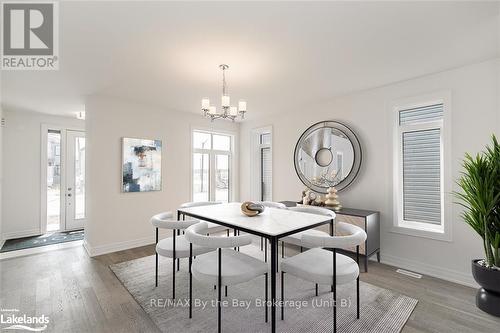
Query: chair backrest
{"type": "Point", "coordinates": [272, 204]}
{"type": "Point", "coordinates": [354, 236]}
{"type": "Point", "coordinates": [200, 204]}
{"type": "Point", "coordinates": [314, 210]}
{"type": "Point", "coordinates": [166, 221]}
{"type": "Point", "coordinates": [196, 234]}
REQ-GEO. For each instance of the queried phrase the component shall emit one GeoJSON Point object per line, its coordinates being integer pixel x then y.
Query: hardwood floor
{"type": "Point", "coordinates": [81, 294]}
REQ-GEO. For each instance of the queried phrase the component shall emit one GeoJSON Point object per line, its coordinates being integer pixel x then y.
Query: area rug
{"type": "Point", "coordinates": [382, 310]}
{"type": "Point", "coordinates": [42, 240]}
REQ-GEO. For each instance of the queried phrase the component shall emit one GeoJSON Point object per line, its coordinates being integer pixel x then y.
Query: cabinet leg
{"type": "Point", "coordinates": [378, 256]}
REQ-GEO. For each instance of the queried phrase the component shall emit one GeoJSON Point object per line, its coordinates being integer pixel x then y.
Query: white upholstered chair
{"type": "Point", "coordinates": [212, 227]}
{"type": "Point", "coordinates": [178, 246]}
{"type": "Point", "coordinates": [224, 267]}
{"type": "Point", "coordinates": [296, 239]}
{"type": "Point", "coordinates": [325, 267]}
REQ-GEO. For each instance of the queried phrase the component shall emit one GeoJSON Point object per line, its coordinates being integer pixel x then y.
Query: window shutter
{"type": "Point", "coordinates": [266, 174]}
{"type": "Point", "coordinates": [421, 152]}
{"type": "Point", "coordinates": [421, 114]}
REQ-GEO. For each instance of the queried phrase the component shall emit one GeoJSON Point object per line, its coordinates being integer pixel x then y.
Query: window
{"type": "Point", "coordinates": [419, 169]}
{"type": "Point", "coordinates": [266, 171]}
{"type": "Point", "coordinates": [262, 161]}
{"type": "Point", "coordinates": [211, 166]}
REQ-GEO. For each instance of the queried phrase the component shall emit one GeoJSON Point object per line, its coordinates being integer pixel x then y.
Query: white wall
{"type": "Point", "coordinates": [119, 220]}
{"type": "Point", "coordinates": [1, 176]}
{"type": "Point", "coordinates": [21, 170]}
{"type": "Point", "coordinates": [475, 116]}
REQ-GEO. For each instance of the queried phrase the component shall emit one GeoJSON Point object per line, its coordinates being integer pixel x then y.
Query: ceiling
{"type": "Point", "coordinates": [280, 54]}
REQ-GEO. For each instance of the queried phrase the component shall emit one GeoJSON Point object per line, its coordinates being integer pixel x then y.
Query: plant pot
{"type": "Point", "coordinates": [487, 297]}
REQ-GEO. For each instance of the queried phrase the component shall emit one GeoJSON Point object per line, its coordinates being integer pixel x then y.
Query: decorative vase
{"type": "Point", "coordinates": [487, 297]}
{"type": "Point", "coordinates": [331, 199]}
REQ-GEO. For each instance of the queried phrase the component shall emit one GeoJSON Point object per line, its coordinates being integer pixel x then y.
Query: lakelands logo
{"type": "Point", "coordinates": [11, 319]}
{"type": "Point", "coordinates": [30, 39]}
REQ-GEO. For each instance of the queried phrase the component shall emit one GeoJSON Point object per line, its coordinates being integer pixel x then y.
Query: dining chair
{"type": "Point", "coordinates": [224, 267]}
{"type": "Point", "coordinates": [212, 227]}
{"type": "Point", "coordinates": [178, 246]}
{"type": "Point", "coordinates": [296, 239]}
{"type": "Point", "coordinates": [269, 204]}
{"type": "Point", "coordinates": [324, 267]}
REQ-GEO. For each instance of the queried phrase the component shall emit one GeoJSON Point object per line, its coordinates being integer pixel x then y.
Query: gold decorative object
{"type": "Point", "coordinates": [250, 208]}
{"type": "Point", "coordinates": [331, 199]}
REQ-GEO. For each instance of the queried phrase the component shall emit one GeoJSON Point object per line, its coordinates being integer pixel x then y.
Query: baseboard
{"type": "Point", "coordinates": [430, 270]}
{"type": "Point", "coordinates": [94, 251]}
{"type": "Point", "coordinates": [20, 234]}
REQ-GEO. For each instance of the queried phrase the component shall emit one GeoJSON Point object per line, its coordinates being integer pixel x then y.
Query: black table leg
{"type": "Point", "coordinates": [265, 250]}
{"type": "Point", "coordinates": [357, 284]}
{"type": "Point", "coordinates": [173, 264]}
{"type": "Point", "coordinates": [219, 292]}
{"type": "Point", "coordinates": [190, 281]}
{"type": "Point", "coordinates": [274, 266]}
{"type": "Point", "coordinates": [156, 254]}
{"type": "Point", "coordinates": [334, 290]}
{"type": "Point", "coordinates": [266, 296]}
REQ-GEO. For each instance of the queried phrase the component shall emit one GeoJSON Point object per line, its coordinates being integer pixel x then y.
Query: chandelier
{"type": "Point", "coordinates": [227, 111]}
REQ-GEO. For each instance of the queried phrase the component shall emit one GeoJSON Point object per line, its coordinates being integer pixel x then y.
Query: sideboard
{"type": "Point", "coordinates": [366, 219]}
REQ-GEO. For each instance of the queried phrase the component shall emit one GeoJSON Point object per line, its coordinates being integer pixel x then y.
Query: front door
{"type": "Point", "coordinates": [75, 180]}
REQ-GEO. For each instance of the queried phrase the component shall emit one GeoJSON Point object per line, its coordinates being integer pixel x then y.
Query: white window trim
{"type": "Point", "coordinates": [232, 161]}
{"type": "Point", "coordinates": [255, 165]}
{"type": "Point", "coordinates": [443, 231]}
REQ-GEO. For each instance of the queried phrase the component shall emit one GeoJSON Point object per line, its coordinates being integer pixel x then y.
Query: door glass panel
{"type": "Point", "coordinates": [200, 177]}
{"type": "Point", "coordinates": [79, 178]}
{"type": "Point", "coordinates": [53, 180]}
{"type": "Point", "coordinates": [201, 140]}
{"type": "Point", "coordinates": [222, 142]}
{"type": "Point", "coordinates": [222, 178]}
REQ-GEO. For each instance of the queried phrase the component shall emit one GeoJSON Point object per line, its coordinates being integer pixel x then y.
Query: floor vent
{"type": "Point", "coordinates": [408, 273]}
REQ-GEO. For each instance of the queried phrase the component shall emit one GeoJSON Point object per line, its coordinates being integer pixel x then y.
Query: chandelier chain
{"type": "Point", "coordinates": [224, 88]}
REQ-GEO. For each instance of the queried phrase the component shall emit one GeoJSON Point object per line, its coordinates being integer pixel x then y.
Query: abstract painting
{"type": "Point", "coordinates": [141, 165]}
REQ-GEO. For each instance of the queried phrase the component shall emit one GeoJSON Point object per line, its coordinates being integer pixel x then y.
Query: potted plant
{"type": "Point", "coordinates": [480, 196]}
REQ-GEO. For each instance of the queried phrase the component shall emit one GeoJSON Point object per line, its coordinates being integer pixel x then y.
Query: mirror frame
{"type": "Point", "coordinates": [358, 155]}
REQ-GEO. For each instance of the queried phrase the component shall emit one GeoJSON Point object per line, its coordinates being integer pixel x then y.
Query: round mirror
{"type": "Point", "coordinates": [327, 154]}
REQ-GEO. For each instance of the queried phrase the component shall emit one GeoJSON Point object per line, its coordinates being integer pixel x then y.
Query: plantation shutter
{"type": "Point", "coordinates": [421, 159]}
{"type": "Point", "coordinates": [266, 174]}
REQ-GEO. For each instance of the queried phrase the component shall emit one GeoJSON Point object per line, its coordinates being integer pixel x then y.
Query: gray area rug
{"type": "Point", "coordinates": [382, 310]}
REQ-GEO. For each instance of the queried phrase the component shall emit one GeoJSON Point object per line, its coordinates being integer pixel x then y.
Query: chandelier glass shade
{"type": "Point", "coordinates": [226, 111]}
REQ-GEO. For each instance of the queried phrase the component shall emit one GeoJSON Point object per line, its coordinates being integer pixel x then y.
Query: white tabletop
{"type": "Point", "coordinates": [271, 222]}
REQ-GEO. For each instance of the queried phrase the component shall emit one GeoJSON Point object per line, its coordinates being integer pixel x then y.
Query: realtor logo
{"type": "Point", "coordinates": [30, 36]}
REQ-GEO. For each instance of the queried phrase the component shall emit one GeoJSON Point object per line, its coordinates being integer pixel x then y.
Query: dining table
{"type": "Point", "coordinates": [272, 224]}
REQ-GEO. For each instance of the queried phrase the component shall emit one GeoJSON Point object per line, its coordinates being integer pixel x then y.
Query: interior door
{"type": "Point", "coordinates": [75, 180]}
